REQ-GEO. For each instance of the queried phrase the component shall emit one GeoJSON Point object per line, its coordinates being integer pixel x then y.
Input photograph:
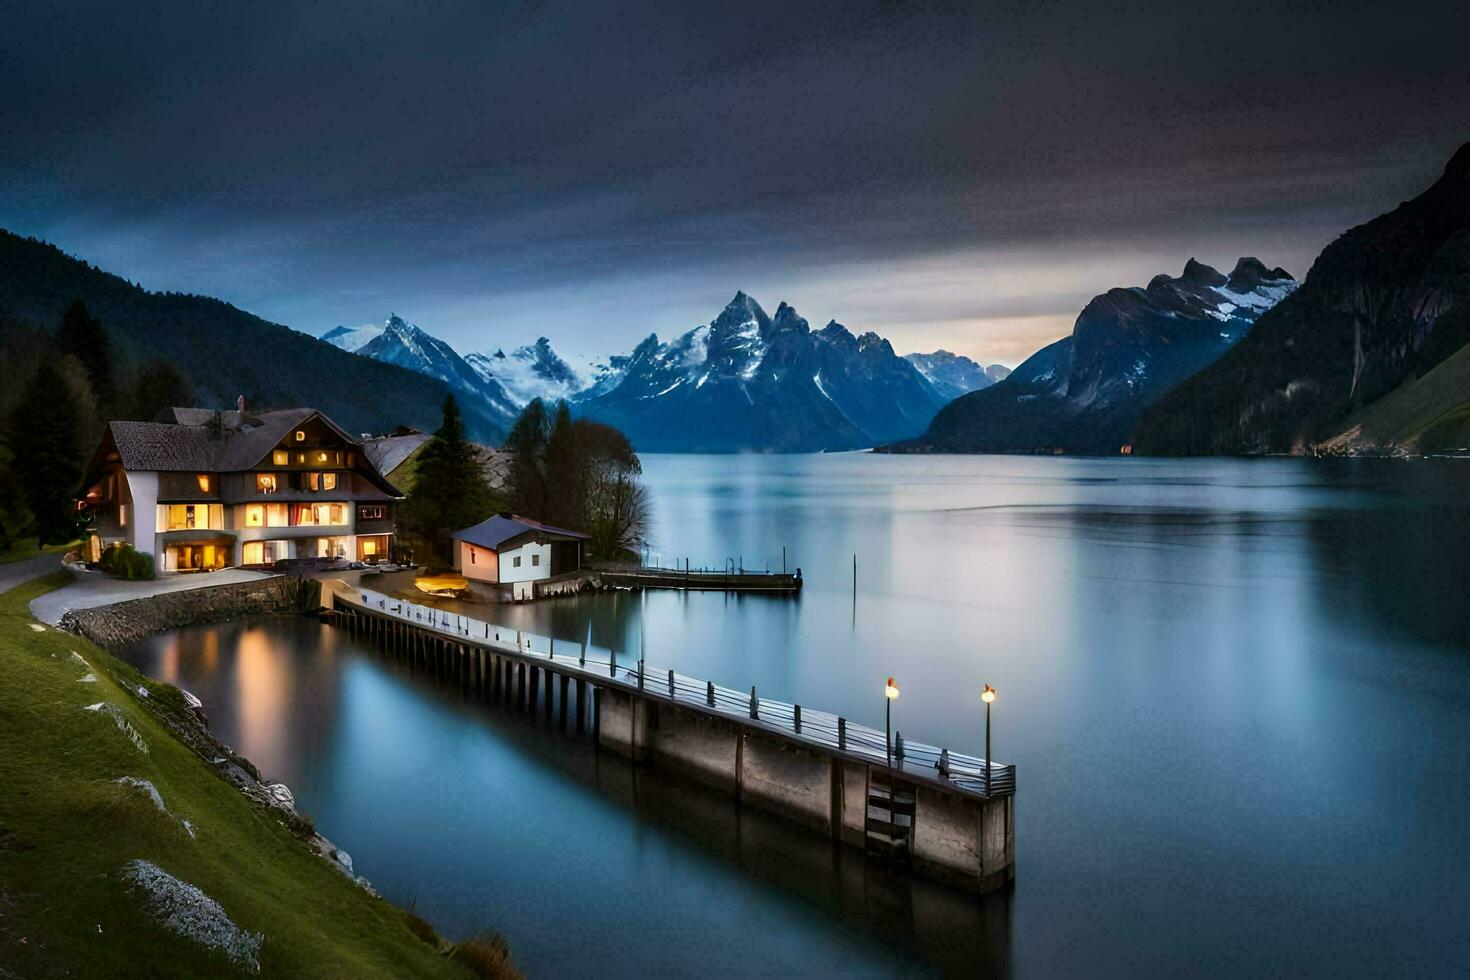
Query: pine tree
{"type": "Point", "coordinates": [44, 435]}
{"type": "Point", "coordinates": [158, 386]}
{"type": "Point", "coordinates": [16, 523]}
{"type": "Point", "coordinates": [449, 491]}
{"type": "Point", "coordinates": [82, 336]}
{"type": "Point", "coordinates": [526, 482]}
{"type": "Point", "coordinates": [565, 473]}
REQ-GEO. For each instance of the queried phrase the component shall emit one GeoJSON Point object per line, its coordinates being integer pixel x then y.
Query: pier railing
{"type": "Point", "coordinates": [821, 728]}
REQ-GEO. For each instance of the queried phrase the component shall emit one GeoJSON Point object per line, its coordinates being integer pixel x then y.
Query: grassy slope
{"type": "Point", "coordinates": [1429, 415]}
{"type": "Point", "coordinates": [22, 550]}
{"type": "Point", "coordinates": [66, 829]}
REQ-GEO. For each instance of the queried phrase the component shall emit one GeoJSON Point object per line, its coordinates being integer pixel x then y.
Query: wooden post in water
{"type": "Point", "coordinates": [581, 702]}
{"type": "Point", "coordinates": [565, 683]}
{"type": "Point", "coordinates": [535, 686]}
{"type": "Point", "coordinates": [549, 677]}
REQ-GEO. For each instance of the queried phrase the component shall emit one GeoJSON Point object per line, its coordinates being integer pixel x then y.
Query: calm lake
{"type": "Point", "coordinates": [1237, 694]}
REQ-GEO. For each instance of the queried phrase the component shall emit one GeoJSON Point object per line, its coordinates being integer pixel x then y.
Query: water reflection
{"type": "Point", "coordinates": [1238, 696]}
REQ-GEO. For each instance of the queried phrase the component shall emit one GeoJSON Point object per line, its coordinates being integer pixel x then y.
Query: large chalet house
{"type": "Point", "coordinates": [200, 489]}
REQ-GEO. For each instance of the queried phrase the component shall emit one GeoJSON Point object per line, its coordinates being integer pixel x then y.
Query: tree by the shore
{"type": "Point", "coordinates": [449, 491]}
{"type": "Point", "coordinates": [578, 474]}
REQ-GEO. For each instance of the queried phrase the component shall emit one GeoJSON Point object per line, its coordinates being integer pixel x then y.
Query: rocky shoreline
{"type": "Point", "coordinates": [123, 623]}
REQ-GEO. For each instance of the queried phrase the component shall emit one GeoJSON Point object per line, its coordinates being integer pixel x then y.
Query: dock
{"type": "Point", "coordinates": [939, 814]}
{"type": "Point", "coordinates": [629, 576]}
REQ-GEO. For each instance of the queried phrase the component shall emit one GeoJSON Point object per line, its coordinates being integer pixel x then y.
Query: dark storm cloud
{"type": "Point", "coordinates": [597, 171]}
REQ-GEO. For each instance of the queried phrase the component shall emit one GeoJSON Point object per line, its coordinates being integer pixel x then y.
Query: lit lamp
{"type": "Point", "coordinates": [988, 696]}
{"type": "Point", "coordinates": [890, 695]}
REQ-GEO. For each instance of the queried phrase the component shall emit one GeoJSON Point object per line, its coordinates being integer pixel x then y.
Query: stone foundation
{"type": "Point", "coordinates": [124, 623]}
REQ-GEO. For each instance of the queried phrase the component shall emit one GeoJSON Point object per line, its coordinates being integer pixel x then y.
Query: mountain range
{"type": "Point", "coordinates": [746, 381]}
{"type": "Point", "coordinates": [1085, 392]}
{"type": "Point", "coordinates": [1368, 355]}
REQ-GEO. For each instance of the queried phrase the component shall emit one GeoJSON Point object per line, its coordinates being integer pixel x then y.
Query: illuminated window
{"type": "Point", "coordinates": [321, 457]}
{"type": "Point", "coordinates": [203, 479]}
{"type": "Point", "coordinates": [255, 515]}
{"type": "Point", "coordinates": [277, 515]}
{"type": "Point", "coordinates": [265, 483]}
{"type": "Point", "coordinates": [300, 458]}
{"type": "Point", "coordinates": [329, 481]}
{"type": "Point", "coordinates": [300, 436]}
{"type": "Point", "coordinates": [313, 481]}
{"type": "Point", "coordinates": [369, 548]}
{"type": "Point", "coordinates": [254, 553]}
{"type": "Point", "coordinates": [280, 457]}
{"type": "Point", "coordinates": [371, 512]}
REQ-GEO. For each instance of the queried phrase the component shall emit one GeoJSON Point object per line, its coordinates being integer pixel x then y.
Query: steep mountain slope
{"type": "Point", "coordinates": [1084, 393]}
{"type": "Point", "coordinates": [1427, 415]}
{"type": "Point", "coordinates": [1385, 302]}
{"type": "Point", "coordinates": [223, 350]}
{"type": "Point", "coordinates": [752, 382]}
{"type": "Point", "coordinates": [953, 375]}
{"type": "Point", "coordinates": [409, 346]}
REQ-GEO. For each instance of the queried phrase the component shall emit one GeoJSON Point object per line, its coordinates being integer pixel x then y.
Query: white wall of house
{"type": "Point", "coordinates": [474, 562]}
{"type": "Point", "coordinates": [141, 528]}
{"type": "Point", "coordinates": [535, 563]}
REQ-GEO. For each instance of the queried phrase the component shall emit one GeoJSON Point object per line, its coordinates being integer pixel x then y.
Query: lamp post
{"type": "Point", "coordinates": [988, 696]}
{"type": "Point", "coordinates": [890, 695]}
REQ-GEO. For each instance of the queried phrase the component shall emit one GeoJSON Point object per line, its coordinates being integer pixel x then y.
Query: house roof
{"type": "Point", "coordinates": [504, 527]}
{"type": "Point", "coordinates": [188, 440]}
{"type": "Point", "coordinates": [388, 452]}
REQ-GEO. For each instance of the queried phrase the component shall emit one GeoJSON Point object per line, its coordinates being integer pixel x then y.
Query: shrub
{"type": "Point", "coordinates": [422, 930]}
{"type": "Point", "coordinates": [126, 562]}
{"type": "Point", "coordinates": [486, 956]}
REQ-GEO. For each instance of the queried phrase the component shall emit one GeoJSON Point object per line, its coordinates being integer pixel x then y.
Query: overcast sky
{"type": "Point", "coordinates": [952, 175]}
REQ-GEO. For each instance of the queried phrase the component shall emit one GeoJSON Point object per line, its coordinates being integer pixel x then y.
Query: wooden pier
{"type": "Point", "coordinates": [940, 814]}
{"type": "Point", "coordinates": [697, 579]}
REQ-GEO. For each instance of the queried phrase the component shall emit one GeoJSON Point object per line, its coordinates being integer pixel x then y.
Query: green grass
{"type": "Point", "coordinates": [67, 829]}
{"type": "Point", "coordinates": [1429, 415]}
{"type": "Point", "coordinates": [22, 550]}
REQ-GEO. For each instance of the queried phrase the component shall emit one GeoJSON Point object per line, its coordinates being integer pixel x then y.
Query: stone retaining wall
{"type": "Point", "coordinates": [123, 623]}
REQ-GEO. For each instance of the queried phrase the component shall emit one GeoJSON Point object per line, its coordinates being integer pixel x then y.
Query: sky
{"type": "Point", "coordinates": [949, 175]}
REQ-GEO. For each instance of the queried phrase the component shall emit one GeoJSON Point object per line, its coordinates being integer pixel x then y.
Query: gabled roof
{"type": "Point", "coordinates": [193, 443]}
{"type": "Point", "coordinates": [188, 440]}
{"type": "Point", "coordinates": [504, 527]}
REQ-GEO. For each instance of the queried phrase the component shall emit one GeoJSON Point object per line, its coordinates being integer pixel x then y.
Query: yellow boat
{"type": "Point", "coordinates": [448, 583]}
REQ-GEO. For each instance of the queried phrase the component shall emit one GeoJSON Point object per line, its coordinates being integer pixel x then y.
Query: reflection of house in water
{"type": "Point", "coordinates": [200, 489]}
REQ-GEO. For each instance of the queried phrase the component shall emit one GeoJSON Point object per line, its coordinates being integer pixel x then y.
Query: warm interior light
{"type": "Point", "coordinates": [203, 483]}
{"type": "Point", "coordinates": [300, 436]}
{"type": "Point", "coordinates": [890, 690]}
{"type": "Point", "coordinates": [987, 695]}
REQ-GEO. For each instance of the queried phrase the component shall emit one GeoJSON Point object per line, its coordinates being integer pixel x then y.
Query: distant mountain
{"type": "Point", "coordinates": [533, 371]}
{"type": "Point", "coordinates": [1084, 393]}
{"type": "Point", "coordinates": [1383, 305]}
{"type": "Point", "coordinates": [223, 350]}
{"type": "Point", "coordinates": [752, 382]}
{"type": "Point", "coordinates": [409, 346]}
{"type": "Point", "coordinates": [953, 375]}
